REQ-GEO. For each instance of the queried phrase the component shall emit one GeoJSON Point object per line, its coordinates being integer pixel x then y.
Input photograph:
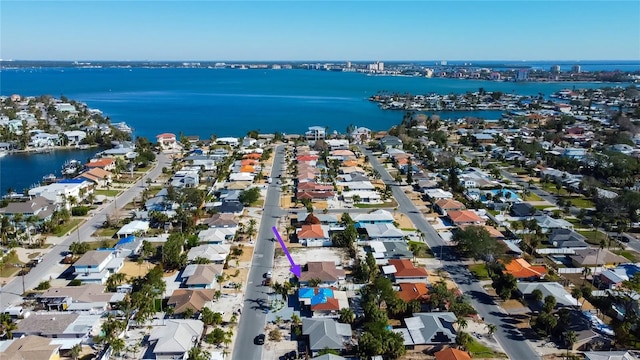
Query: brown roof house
{"type": "Point", "coordinates": [464, 217]}
{"type": "Point", "coordinates": [325, 271]}
{"type": "Point", "coordinates": [593, 257]}
{"type": "Point", "coordinates": [31, 348]}
{"type": "Point", "coordinates": [98, 176]}
{"type": "Point", "coordinates": [194, 299]}
{"type": "Point", "coordinates": [201, 276]}
{"type": "Point", "coordinates": [442, 206]}
{"type": "Point", "coordinates": [405, 271]}
{"type": "Point", "coordinates": [89, 297]}
{"type": "Point", "coordinates": [221, 221]}
{"type": "Point", "coordinates": [59, 325]}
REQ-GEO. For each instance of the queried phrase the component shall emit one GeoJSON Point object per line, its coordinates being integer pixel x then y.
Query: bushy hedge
{"type": "Point", "coordinates": [79, 210]}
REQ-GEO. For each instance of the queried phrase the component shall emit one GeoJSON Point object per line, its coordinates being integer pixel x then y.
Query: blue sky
{"type": "Point", "coordinates": [326, 30]}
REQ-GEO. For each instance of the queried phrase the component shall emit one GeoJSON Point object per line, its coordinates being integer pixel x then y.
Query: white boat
{"type": "Point", "coordinates": [3, 153]}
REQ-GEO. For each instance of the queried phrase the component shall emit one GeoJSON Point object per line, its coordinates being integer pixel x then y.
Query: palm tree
{"type": "Point", "coordinates": [75, 351]}
{"type": "Point", "coordinates": [347, 316]}
{"type": "Point", "coordinates": [492, 328]}
{"type": "Point", "coordinates": [462, 323]}
{"type": "Point", "coordinates": [586, 271]}
{"type": "Point", "coordinates": [252, 228]}
{"type": "Point", "coordinates": [576, 293]}
{"type": "Point", "coordinates": [570, 338]}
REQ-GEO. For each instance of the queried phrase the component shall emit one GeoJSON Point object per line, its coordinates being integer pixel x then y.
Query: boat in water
{"type": "Point", "coordinates": [49, 179]}
{"type": "Point", "coordinates": [3, 153]}
{"type": "Point", "coordinates": [71, 168]}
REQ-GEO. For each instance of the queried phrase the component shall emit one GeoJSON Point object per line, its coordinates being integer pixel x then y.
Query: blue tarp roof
{"type": "Point", "coordinates": [128, 239]}
{"type": "Point", "coordinates": [306, 293]}
{"type": "Point", "coordinates": [326, 291]}
{"type": "Point", "coordinates": [319, 299]}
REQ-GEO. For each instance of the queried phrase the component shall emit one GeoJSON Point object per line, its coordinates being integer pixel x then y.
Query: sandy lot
{"type": "Point", "coordinates": [403, 221]}
{"type": "Point", "coordinates": [133, 269]}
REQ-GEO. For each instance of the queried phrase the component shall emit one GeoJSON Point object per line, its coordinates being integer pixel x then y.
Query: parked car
{"type": "Point", "coordinates": [259, 340]}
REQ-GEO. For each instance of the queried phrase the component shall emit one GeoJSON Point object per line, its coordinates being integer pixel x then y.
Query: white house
{"type": "Point", "coordinates": [62, 191]}
{"type": "Point", "coordinates": [96, 266]}
{"type": "Point", "coordinates": [75, 136]}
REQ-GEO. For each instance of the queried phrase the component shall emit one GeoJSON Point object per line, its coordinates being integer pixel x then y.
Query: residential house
{"type": "Point", "coordinates": [37, 206]}
{"type": "Point", "coordinates": [596, 257]}
{"type": "Point", "coordinates": [315, 133]}
{"type": "Point", "coordinates": [101, 178]}
{"type": "Point", "coordinates": [75, 137]}
{"type": "Point", "coordinates": [326, 334]}
{"type": "Point", "coordinates": [325, 219]}
{"type": "Point", "coordinates": [167, 141]}
{"type": "Point", "coordinates": [442, 206]}
{"type": "Point", "coordinates": [60, 192]}
{"type": "Point", "coordinates": [338, 144]}
{"type": "Point", "coordinates": [59, 325]}
{"type": "Point", "coordinates": [522, 270]}
{"type": "Point", "coordinates": [362, 196]}
{"type": "Point", "coordinates": [383, 232]}
{"type": "Point", "coordinates": [96, 266]}
{"type": "Point", "coordinates": [567, 239]}
{"type": "Point", "coordinates": [325, 271]}
{"type": "Point", "coordinates": [90, 297]}
{"type": "Point", "coordinates": [323, 301]}
{"type": "Point", "coordinates": [314, 235]}
{"type": "Point", "coordinates": [329, 357]}
{"type": "Point", "coordinates": [175, 338]}
{"type": "Point", "coordinates": [563, 298]}
{"type": "Point", "coordinates": [405, 271]}
{"type": "Point", "coordinates": [217, 235]}
{"type": "Point", "coordinates": [194, 299]}
{"type": "Point", "coordinates": [315, 195]}
{"type": "Point", "coordinates": [231, 141]}
{"type": "Point", "coordinates": [135, 227]}
{"type": "Point", "coordinates": [186, 178]}
{"type": "Point", "coordinates": [452, 354]}
{"type": "Point", "coordinates": [435, 328]}
{"type": "Point", "coordinates": [547, 223]}
{"type": "Point", "coordinates": [375, 217]}
{"type": "Point", "coordinates": [215, 253]}
{"type": "Point", "coordinates": [613, 278]}
{"type": "Point", "coordinates": [522, 210]}
{"type": "Point", "coordinates": [201, 276]}
{"type": "Point", "coordinates": [361, 135]}
{"type": "Point", "coordinates": [437, 194]}
{"type": "Point", "coordinates": [221, 221]}
{"type": "Point", "coordinates": [390, 142]}
{"type": "Point", "coordinates": [108, 164]}
{"type": "Point", "coordinates": [30, 348]}
{"type": "Point", "coordinates": [413, 291]}
{"type": "Point", "coordinates": [230, 207]}
{"type": "Point", "coordinates": [464, 217]}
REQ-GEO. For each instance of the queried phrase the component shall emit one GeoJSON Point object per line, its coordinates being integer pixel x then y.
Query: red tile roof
{"type": "Point", "coordinates": [313, 231]}
{"type": "Point", "coordinates": [166, 136]}
{"type": "Point", "coordinates": [331, 305]}
{"type": "Point", "coordinates": [464, 216]}
{"type": "Point", "coordinates": [413, 291]}
{"type": "Point", "coordinates": [405, 268]}
{"type": "Point", "coordinates": [446, 204]}
{"type": "Point", "coordinates": [521, 269]}
{"type": "Point", "coordinates": [452, 354]}
{"type": "Point", "coordinates": [100, 163]}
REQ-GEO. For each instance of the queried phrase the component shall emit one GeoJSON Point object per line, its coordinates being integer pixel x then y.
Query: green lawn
{"type": "Point", "coordinates": [424, 251]}
{"type": "Point", "coordinates": [105, 232]}
{"type": "Point", "coordinates": [593, 237]}
{"type": "Point", "coordinates": [93, 245]}
{"type": "Point", "coordinates": [581, 202]}
{"type": "Point", "coordinates": [9, 268]}
{"type": "Point", "coordinates": [551, 189]}
{"type": "Point", "coordinates": [478, 350]}
{"type": "Point", "coordinates": [531, 197]}
{"type": "Point", "coordinates": [109, 193]}
{"type": "Point", "coordinates": [390, 204]}
{"type": "Point", "coordinates": [407, 229]}
{"type": "Point", "coordinates": [631, 255]}
{"type": "Point", "coordinates": [68, 226]}
{"type": "Point", "coordinates": [479, 271]}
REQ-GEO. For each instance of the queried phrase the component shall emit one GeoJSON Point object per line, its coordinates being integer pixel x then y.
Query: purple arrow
{"type": "Point", "coordinates": [295, 269]}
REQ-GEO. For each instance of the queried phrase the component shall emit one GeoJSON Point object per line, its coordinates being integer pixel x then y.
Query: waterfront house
{"type": "Point", "coordinates": [231, 141]}
{"type": "Point", "coordinates": [431, 328]}
{"type": "Point", "coordinates": [326, 334]}
{"type": "Point", "coordinates": [403, 270]}
{"type": "Point", "coordinates": [30, 347]}
{"type": "Point", "coordinates": [325, 271]}
{"type": "Point", "coordinates": [194, 299]}
{"type": "Point", "coordinates": [174, 338]}
{"type": "Point", "coordinates": [96, 266]}
{"type": "Point", "coordinates": [108, 164]}
{"type": "Point", "coordinates": [42, 140]}
{"type": "Point", "coordinates": [201, 276]}
{"type": "Point", "coordinates": [315, 133]}
{"type": "Point", "coordinates": [361, 135]}
{"type": "Point", "coordinates": [101, 178]}
{"type": "Point", "coordinates": [75, 137]}
{"type": "Point", "coordinates": [60, 192]}
{"type": "Point", "coordinates": [167, 141]}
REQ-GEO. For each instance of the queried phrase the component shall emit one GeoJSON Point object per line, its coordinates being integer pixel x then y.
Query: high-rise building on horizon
{"type": "Point", "coordinates": [576, 69]}
{"type": "Point", "coordinates": [555, 69]}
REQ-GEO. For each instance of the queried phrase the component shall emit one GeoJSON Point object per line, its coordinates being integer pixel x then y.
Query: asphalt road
{"type": "Point", "coordinates": [256, 306]}
{"type": "Point", "coordinates": [50, 267]}
{"type": "Point", "coordinates": [507, 334]}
